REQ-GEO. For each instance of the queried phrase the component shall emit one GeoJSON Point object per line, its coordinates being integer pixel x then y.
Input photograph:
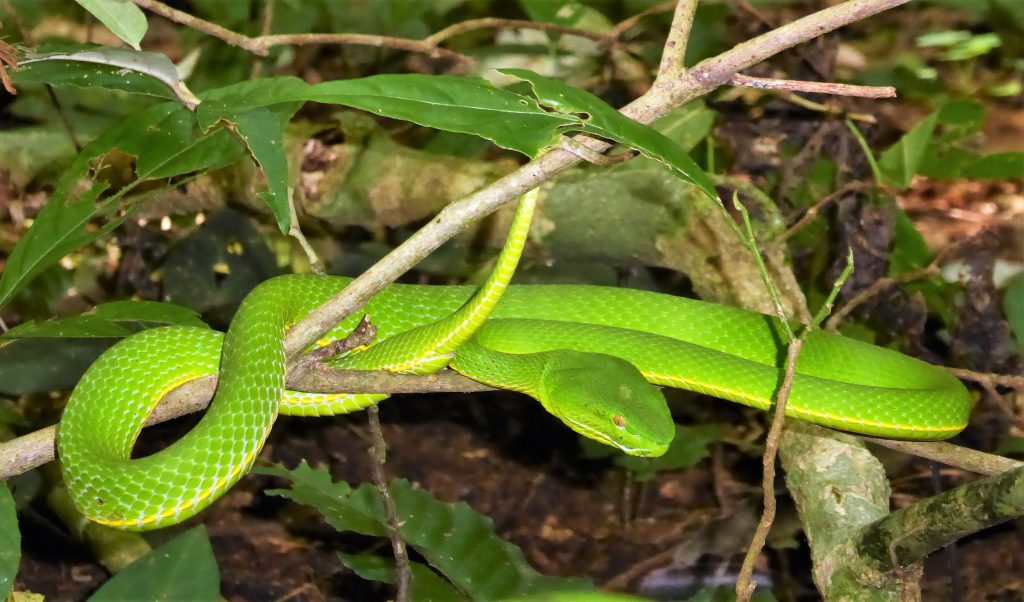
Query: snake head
{"type": "Point", "coordinates": [606, 399]}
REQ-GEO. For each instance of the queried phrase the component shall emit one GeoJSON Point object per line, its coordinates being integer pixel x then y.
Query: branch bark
{"type": "Point", "coordinates": [37, 448]}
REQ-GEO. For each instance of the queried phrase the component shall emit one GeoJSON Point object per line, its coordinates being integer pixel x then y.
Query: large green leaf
{"type": "Point", "coordinates": [109, 320]}
{"type": "Point", "coordinates": [10, 542]}
{"type": "Point", "coordinates": [1000, 166]}
{"type": "Point", "coordinates": [454, 539]}
{"type": "Point", "coordinates": [149, 73]}
{"type": "Point", "coordinates": [457, 104]}
{"type": "Point", "coordinates": [264, 138]}
{"type": "Point", "coordinates": [597, 117]}
{"type": "Point", "coordinates": [181, 569]}
{"type": "Point", "coordinates": [121, 17]}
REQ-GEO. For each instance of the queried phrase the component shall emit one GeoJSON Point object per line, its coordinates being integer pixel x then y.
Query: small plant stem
{"type": "Point", "coordinates": [295, 231]}
{"type": "Point", "coordinates": [378, 456]}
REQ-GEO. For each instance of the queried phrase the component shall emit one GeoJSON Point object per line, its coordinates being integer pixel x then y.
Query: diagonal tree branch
{"type": "Point", "coordinates": [665, 95]}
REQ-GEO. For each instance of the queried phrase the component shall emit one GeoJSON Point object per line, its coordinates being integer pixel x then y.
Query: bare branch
{"type": "Point", "coordinates": [37, 448]}
{"type": "Point", "coordinates": [224, 34]}
{"type": "Point", "coordinates": [360, 39]}
{"type": "Point", "coordinates": [813, 87]}
{"type": "Point", "coordinates": [496, 23]}
{"type": "Point", "coordinates": [674, 54]}
{"type": "Point", "coordinates": [745, 585]}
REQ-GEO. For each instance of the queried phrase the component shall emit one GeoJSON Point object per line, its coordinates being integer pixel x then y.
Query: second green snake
{"type": "Point", "coordinates": [561, 344]}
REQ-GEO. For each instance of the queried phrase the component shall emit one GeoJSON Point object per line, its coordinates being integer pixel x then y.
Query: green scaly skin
{"type": "Point", "coordinates": [617, 336]}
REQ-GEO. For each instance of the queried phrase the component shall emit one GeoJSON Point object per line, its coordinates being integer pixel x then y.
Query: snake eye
{"type": "Point", "coordinates": [620, 421]}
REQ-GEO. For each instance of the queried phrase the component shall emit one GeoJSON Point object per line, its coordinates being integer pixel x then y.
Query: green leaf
{"type": "Point", "coordinates": [263, 136]}
{"type": "Point", "coordinates": [1013, 307]}
{"type": "Point", "coordinates": [1000, 166]}
{"type": "Point", "coordinates": [152, 75]}
{"type": "Point", "coordinates": [909, 250]}
{"type": "Point", "coordinates": [109, 320]}
{"type": "Point", "coordinates": [454, 539]}
{"type": "Point", "coordinates": [10, 542]}
{"type": "Point", "coordinates": [458, 104]}
{"type": "Point", "coordinates": [122, 18]}
{"type": "Point", "coordinates": [601, 119]}
{"type": "Point", "coordinates": [426, 586]}
{"type": "Point", "coordinates": [901, 161]}
{"type": "Point", "coordinates": [181, 569]}
{"type": "Point", "coordinates": [689, 447]}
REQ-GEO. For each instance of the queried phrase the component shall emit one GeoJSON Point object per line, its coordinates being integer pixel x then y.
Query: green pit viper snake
{"type": "Point", "coordinates": [593, 356]}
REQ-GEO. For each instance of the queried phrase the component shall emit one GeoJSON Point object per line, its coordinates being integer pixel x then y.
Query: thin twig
{"type": "Point", "coordinates": [363, 335]}
{"type": "Point", "coordinates": [815, 209]}
{"type": "Point", "coordinates": [495, 23]}
{"type": "Point", "coordinates": [813, 87]}
{"type": "Point", "coordinates": [361, 39]}
{"type": "Point", "coordinates": [745, 583]}
{"type": "Point", "coordinates": [268, 23]}
{"type": "Point", "coordinates": [253, 45]}
{"type": "Point", "coordinates": [673, 55]}
{"type": "Point", "coordinates": [877, 287]}
{"type": "Point", "coordinates": [1003, 380]}
{"type": "Point", "coordinates": [378, 456]}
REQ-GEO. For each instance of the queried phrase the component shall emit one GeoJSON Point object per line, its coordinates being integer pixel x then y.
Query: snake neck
{"type": "Point", "coordinates": [461, 325]}
{"type": "Point", "coordinates": [434, 344]}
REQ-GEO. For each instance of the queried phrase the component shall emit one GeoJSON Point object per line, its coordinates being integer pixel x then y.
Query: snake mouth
{"type": "Point", "coordinates": [647, 450]}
